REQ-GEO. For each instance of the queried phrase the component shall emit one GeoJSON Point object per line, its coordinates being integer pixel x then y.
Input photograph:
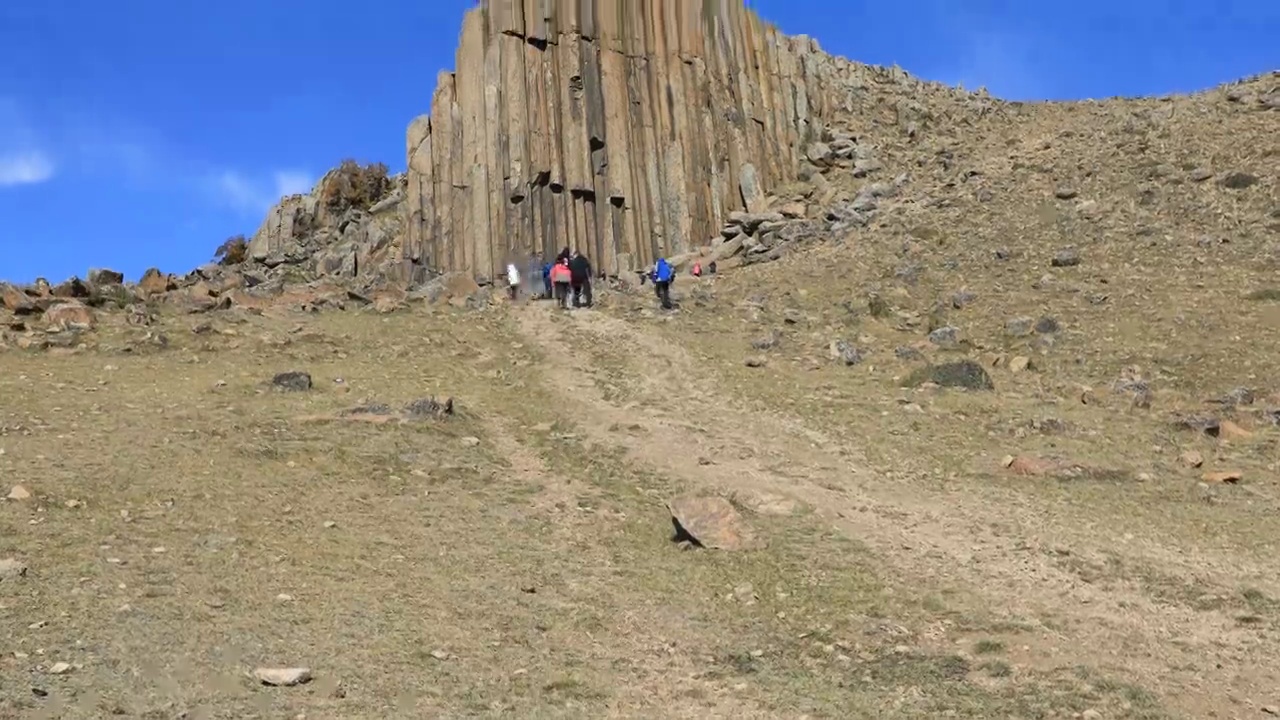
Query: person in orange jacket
{"type": "Point", "coordinates": [561, 277]}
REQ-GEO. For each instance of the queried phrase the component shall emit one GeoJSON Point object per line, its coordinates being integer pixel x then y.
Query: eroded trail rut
{"type": "Point", "coordinates": [1198, 663]}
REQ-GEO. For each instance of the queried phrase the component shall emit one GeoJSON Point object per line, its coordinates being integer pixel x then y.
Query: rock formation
{"type": "Point", "coordinates": [627, 129]}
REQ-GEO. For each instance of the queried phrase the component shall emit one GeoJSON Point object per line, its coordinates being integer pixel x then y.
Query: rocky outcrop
{"type": "Point", "coordinates": [350, 225]}
{"type": "Point", "coordinates": [627, 130]}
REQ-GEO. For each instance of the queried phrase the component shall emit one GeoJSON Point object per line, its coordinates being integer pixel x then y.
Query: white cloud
{"type": "Point", "coordinates": [292, 182]}
{"type": "Point", "coordinates": [30, 167]}
{"type": "Point", "coordinates": [251, 196]}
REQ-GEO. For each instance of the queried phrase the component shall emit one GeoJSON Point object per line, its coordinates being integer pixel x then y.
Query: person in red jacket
{"type": "Point", "coordinates": [561, 278]}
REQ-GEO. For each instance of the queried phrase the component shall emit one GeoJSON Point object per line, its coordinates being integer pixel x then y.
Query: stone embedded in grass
{"type": "Point", "coordinates": [282, 677]}
{"type": "Point", "coordinates": [1019, 326]}
{"type": "Point", "coordinates": [429, 407]}
{"type": "Point", "coordinates": [1201, 174]}
{"type": "Point", "coordinates": [1065, 192]}
{"type": "Point", "coordinates": [1239, 181]}
{"type": "Point", "coordinates": [965, 374]}
{"type": "Point", "coordinates": [710, 522]}
{"type": "Point", "coordinates": [1223, 477]}
{"type": "Point", "coordinates": [962, 298]}
{"type": "Point", "coordinates": [1047, 325]}
{"type": "Point", "coordinates": [19, 493]}
{"type": "Point", "coordinates": [945, 336]}
{"type": "Point", "coordinates": [1066, 257]}
{"type": "Point", "coordinates": [755, 361]}
{"type": "Point", "coordinates": [843, 351]}
{"type": "Point", "coordinates": [12, 568]}
{"type": "Point", "coordinates": [293, 381]}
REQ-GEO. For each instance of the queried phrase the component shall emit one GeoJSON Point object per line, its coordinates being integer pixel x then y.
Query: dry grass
{"type": "Point", "coordinates": [189, 523]}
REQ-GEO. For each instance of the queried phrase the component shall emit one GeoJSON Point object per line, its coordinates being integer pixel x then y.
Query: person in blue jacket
{"type": "Point", "coordinates": [546, 280]}
{"type": "Point", "coordinates": [663, 275]}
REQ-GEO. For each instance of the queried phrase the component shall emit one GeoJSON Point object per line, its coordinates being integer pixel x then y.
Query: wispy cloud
{"type": "Point", "coordinates": [293, 182]}
{"type": "Point", "coordinates": [31, 167]}
{"type": "Point", "coordinates": [23, 159]}
{"type": "Point", "coordinates": [249, 195]}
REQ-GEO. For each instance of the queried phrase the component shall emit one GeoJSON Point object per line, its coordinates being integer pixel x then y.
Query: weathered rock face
{"type": "Point", "coordinates": [322, 235]}
{"type": "Point", "coordinates": [627, 130]}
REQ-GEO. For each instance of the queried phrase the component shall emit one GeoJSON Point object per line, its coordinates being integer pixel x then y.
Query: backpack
{"type": "Point", "coordinates": [662, 273]}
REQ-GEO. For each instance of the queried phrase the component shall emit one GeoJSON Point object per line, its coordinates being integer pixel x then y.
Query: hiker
{"type": "Point", "coordinates": [561, 277]}
{"type": "Point", "coordinates": [546, 280]}
{"type": "Point", "coordinates": [663, 275]}
{"type": "Point", "coordinates": [580, 279]}
{"type": "Point", "coordinates": [513, 281]}
{"type": "Point", "coordinates": [697, 269]}
{"type": "Point", "coordinates": [564, 254]}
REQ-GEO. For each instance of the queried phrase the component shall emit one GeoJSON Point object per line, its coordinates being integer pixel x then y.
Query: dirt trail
{"type": "Point", "coordinates": [705, 439]}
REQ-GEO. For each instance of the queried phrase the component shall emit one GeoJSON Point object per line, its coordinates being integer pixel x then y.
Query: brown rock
{"type": "Point", "coordinates": [1228, 430]}
{"type": "Point", "coordinates": [1191, 459]}
{"type": "Point", "coordinates": [1025, 465]}
{"type": "Point", "coordinates": [711, 522]}
{"type": "Point", "coordinates": [70, 315]}
{"type": "Point", "coordinates": [73, 288]}
{"type": "Point", "coordinates": [793, 210]}
{"type": "Point", "coordinates": [385, 304]}
{"type": "Point", "coordinates": [19, 493]}
{"type": "Point", "coordinates": [1228, 477]}
{"type": "Point", "coordinates": [154, 282]}
{"type": "Point", "coordinates": [1019, 364]}
{"type": "Point", "coordinates": [16, 301]}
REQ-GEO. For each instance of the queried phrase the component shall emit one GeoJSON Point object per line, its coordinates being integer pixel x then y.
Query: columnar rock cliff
{"type": "Point", "coordinates": [628, 129]}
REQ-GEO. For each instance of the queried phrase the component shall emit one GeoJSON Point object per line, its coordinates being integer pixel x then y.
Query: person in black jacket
{"type": "Point", "coordinates": [580, 267]}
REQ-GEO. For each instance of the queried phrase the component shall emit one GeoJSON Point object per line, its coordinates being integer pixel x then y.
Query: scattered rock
{"type": "Point", "coordinates": [60, 668]}
{"type": "Point", "coordinates": [102, 278]}
{"type": "Point", "coordinates": [965, 374]}
{"type": "Point", "coordinates": [1067, 257]}
{"type": "Point", "coordinates": [1191, 459]}
{"type": "Point", "coordinates": [293, 381]}
{"type": "Point", "coordinates": [1239, 181]}
{"type": "Point", "coordinates": [843, 351]}
{"type": "Point", "coordinates": [1019, 363]}
{"type": "Point", "coordinates": [282, 677]}
{"type": "Point", "coordinates": [19, 493]}
{"type": "Point", "coordinates": [430, 408]}
{"type": "Point", "coordinates": [12, 568]}
{"type": "Point", "coordinates": [1065, 192]}
{"type": "Point", "coordinates": [1227, 477]}
{"type": "Point", "coordinates": [1201, 174]}
{"type": "Point", "coordinates": [710, 522]}
{"type": "Point", "coordinates": [945, 336]}
{"type": "Point", "coordinates": [755, 362]}
{"type": "Point", "coordinates": [1047, 325]}
{"type": "Point", "coordinates": [1025, 465]}
{"type": "Point", "coordinates": [70, 315]}
{"type": "Point", "coordinates": [470, 441]}
{"type": "Point", "coordinates": [962, 298]}
{"type": "Point", "coordinates": [1019, 326]}
{"type": "Point", "coordinates": [768, 342]}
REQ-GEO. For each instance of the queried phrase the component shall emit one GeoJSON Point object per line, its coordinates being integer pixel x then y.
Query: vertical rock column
{"type": "Point", "coordinates": [626, 130]}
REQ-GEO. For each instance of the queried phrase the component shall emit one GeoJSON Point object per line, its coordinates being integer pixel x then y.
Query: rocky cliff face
{"type": "Point", "coordinates": [628, 130]}
{"type": "Point", "coordinates": [349, 225]}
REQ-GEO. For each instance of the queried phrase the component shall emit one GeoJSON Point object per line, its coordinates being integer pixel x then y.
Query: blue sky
{"type": "Point", "coordinates": [144, 132]}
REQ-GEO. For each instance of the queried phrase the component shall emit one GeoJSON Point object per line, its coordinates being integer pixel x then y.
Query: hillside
{"type": "Point", "coordinates": [989, 389]}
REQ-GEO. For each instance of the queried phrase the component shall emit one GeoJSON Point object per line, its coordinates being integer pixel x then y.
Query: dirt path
{"type": "Point", "coordinates": [704, 439]}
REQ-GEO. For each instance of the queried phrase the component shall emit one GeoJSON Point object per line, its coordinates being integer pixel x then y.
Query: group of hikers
{"type": "Point", "coordinates": [567, 280]}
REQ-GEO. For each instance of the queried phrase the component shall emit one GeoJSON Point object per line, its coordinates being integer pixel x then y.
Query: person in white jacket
{"type": "Point", "coordinates": [513, 280]}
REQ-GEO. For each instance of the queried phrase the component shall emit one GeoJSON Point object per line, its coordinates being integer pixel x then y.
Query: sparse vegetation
{"type": "Point", "coordinates": [355, 186]}
{"type": "Point", "coordinates": [232, 252]}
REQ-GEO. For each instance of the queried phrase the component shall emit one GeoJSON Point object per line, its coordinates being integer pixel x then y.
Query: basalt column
{"type": "Point", "coordinates": [628, 129]}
